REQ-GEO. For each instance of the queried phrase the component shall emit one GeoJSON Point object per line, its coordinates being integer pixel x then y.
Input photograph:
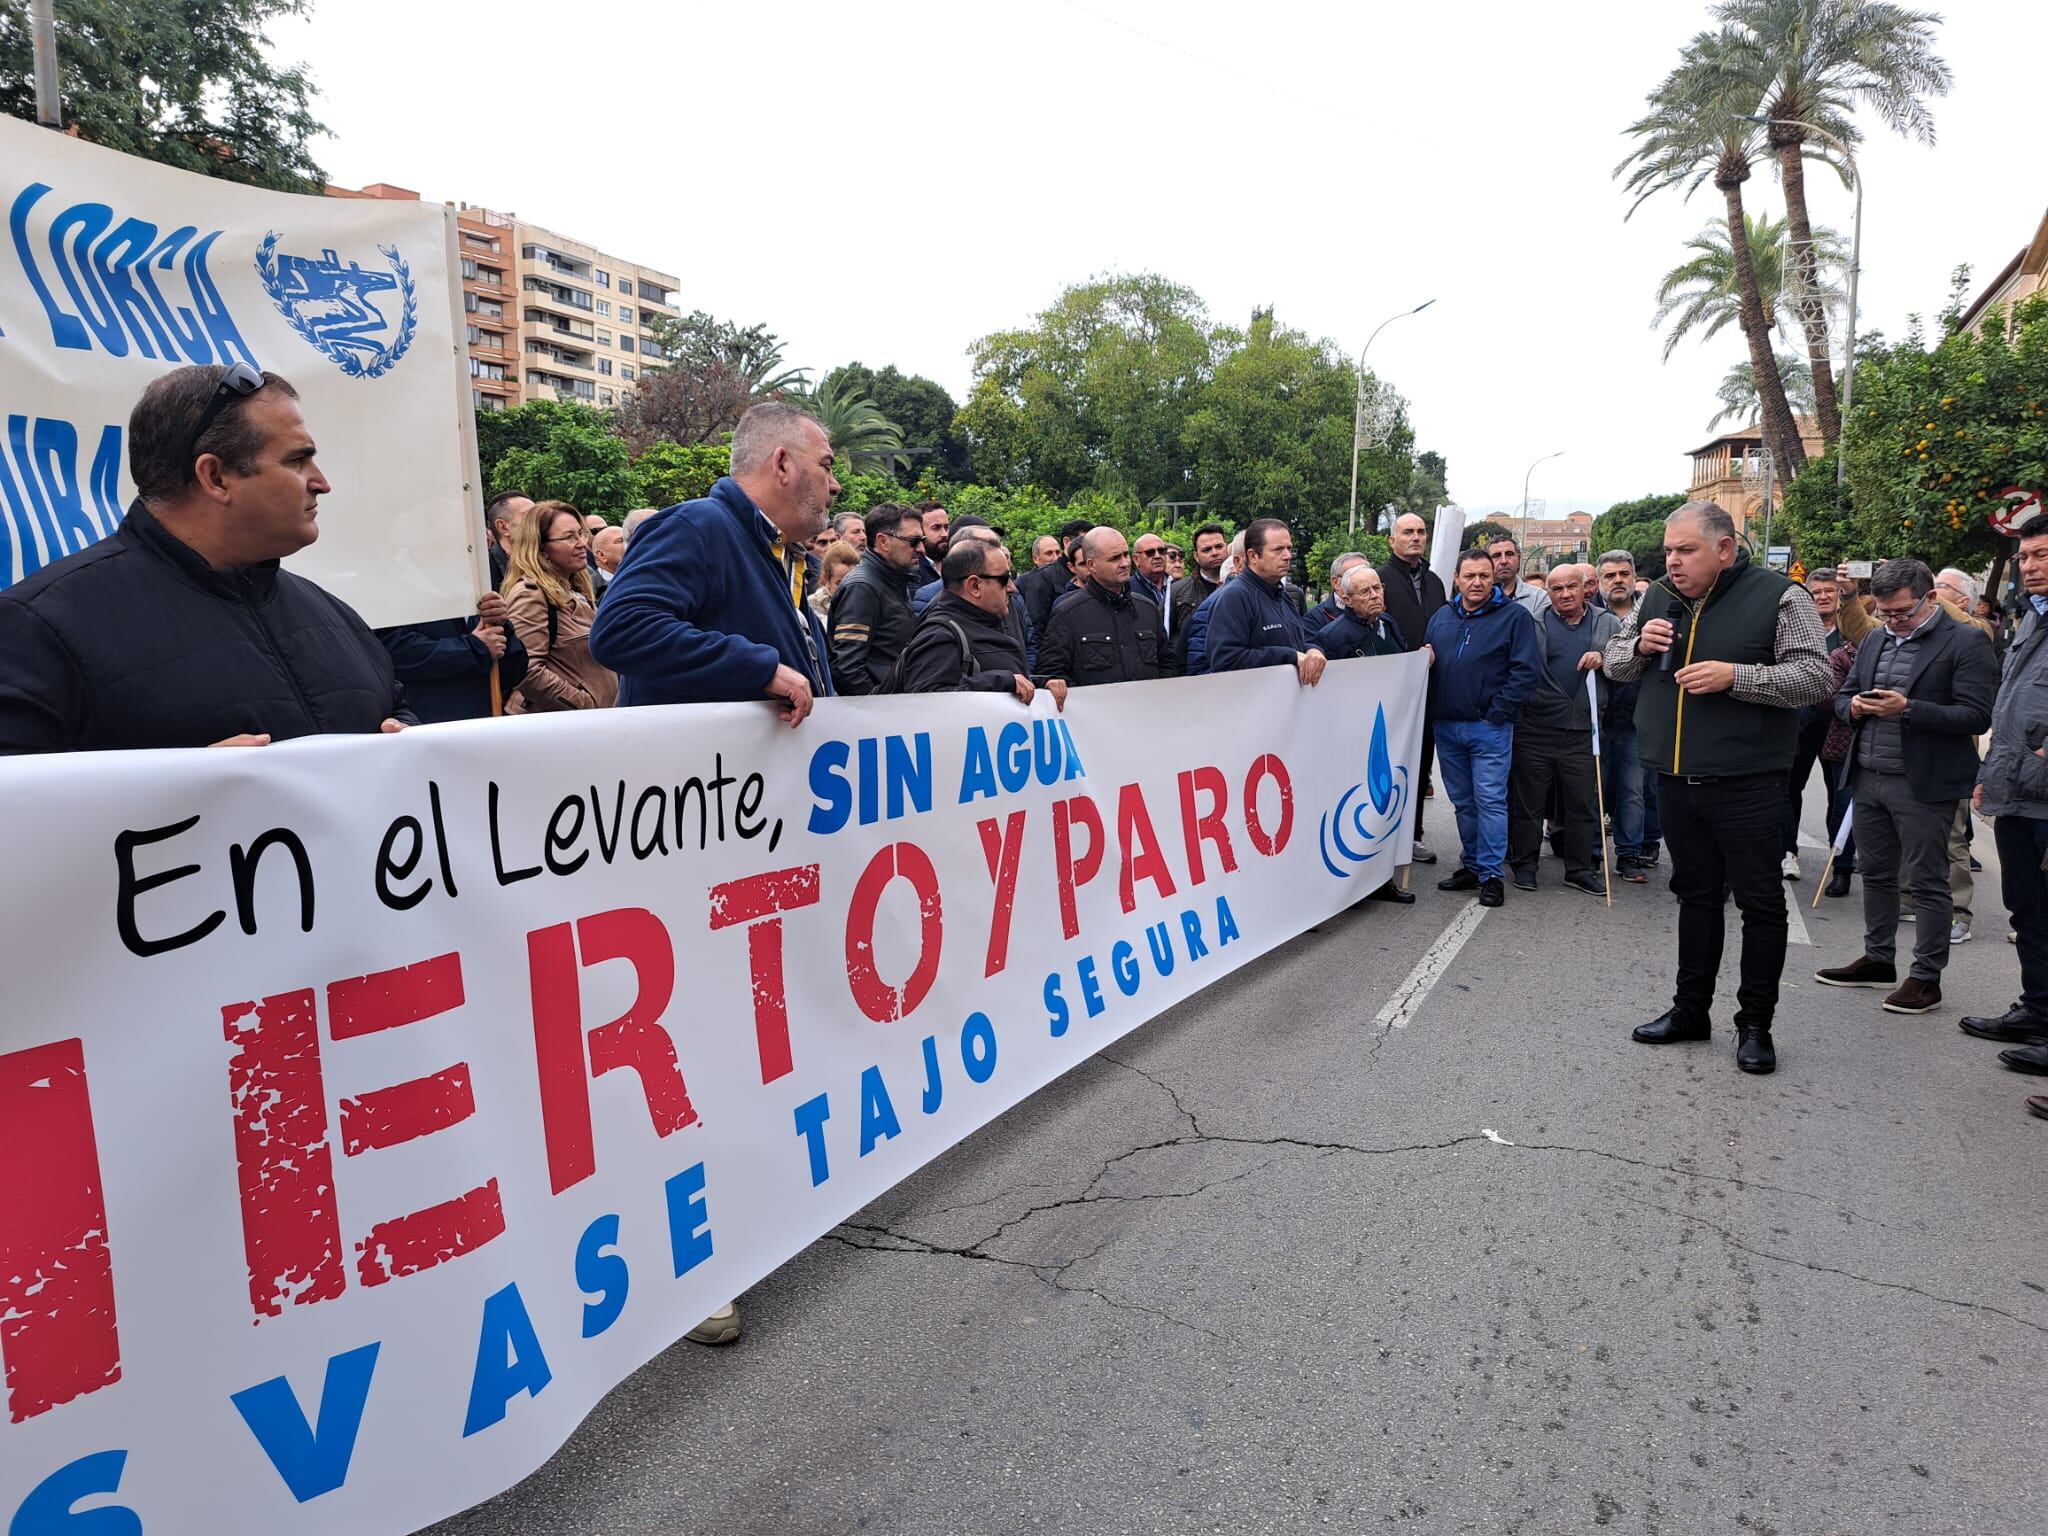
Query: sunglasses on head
{"type": "Point", "coordinates": [238, 383]}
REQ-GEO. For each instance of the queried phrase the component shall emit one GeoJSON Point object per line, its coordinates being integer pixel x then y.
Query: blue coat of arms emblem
{"type": "Point", "coordinates": [340, 309]}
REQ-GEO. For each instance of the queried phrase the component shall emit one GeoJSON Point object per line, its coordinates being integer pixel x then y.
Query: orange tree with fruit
{"type": "Point", "coordinates": [1938, 438]}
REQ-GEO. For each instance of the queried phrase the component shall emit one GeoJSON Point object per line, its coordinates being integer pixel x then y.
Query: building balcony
{"type": "Point", "coordinates": [544, 292]}
{"type": "Point", "coordinates": [565, 356]}
{"type": "Point", "coordinates": [556, 325]}
{"type": "Point", "coordinates": [542, 380]}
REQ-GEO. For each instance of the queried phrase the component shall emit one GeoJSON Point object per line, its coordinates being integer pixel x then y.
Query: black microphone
{"type": "Point", "coordinates": [1670, 657]}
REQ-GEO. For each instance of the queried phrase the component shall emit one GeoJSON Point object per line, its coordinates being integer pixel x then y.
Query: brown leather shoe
{"type": "Point", "coordinates": [2037, 1104]}
{"type": "Point", "coordinates": [1914, 996]}
{"type": "Point", "coordinates": [1860, 972]}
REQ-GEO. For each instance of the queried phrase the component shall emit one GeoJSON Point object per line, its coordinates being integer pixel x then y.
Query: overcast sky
{"type": "Point", "coordinates": [887, 181]}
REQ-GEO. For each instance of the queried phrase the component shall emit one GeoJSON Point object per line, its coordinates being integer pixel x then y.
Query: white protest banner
{"type": "Point", "coordinates": [370, 1106]}
{"type": "Point", "coordinates": [115, 270]}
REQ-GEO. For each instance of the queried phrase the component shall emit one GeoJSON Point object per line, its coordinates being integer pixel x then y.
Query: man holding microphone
{"type": "Point", "coordinates": [1728, 653]}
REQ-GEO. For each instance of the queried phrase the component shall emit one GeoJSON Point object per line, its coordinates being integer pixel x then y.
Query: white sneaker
{"type": "Point", "coordinates": [1960, 933]}
{"type": "Point", "coordinates": [1791, 866]}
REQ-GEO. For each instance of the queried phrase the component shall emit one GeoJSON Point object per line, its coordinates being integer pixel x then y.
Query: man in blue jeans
{"type": "Point", "coordinates": [1487, 661]}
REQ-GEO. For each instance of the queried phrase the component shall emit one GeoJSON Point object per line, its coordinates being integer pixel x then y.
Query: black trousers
{"type": "Point", "coordinates": [1723, 834]}
{"type": "Point", "coordinates": [1552, 768]}
{"type": "Point", "coordinates": [2022, 844]}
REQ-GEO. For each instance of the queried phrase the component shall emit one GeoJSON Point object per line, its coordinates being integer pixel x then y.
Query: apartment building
{"type": "Point", "coordinates": [549, 316]}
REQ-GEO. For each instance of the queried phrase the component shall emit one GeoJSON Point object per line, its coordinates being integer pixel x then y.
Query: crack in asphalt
{"type": "Point", "coordinates": [1827, 1269]}
{"type": "Point", "coordinates": [1712, 1178]}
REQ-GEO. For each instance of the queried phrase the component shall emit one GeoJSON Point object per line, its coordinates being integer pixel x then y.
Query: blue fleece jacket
{"type": "Point", "coordinates": [700, 611]}
{"type": "Point", "coordinates": [1252, 624]}
{"type": "Point", "coordinates": [1487, 663]}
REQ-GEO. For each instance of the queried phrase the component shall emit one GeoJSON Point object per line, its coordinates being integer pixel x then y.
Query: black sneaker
{"type": "Point", "coordinates": [1490, 893]}
{"type": "Point", "coordinates": [1587, 881]}
{"type": "Point", "coordinates": [1525, 879]}
{"type": "Point", "coordinates": [1459, 879]}
{"type": "Point", "coordinates": [1633, 871]}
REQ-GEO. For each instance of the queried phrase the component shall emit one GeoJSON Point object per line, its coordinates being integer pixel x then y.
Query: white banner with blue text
{"type": "Point", "coordinates": [370, 1106]}
{"type": "Point", "coordinates": [115, 270]}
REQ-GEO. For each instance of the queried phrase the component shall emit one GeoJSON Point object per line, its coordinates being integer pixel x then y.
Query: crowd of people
{"type": "Point", "coordinates": [1599, 707]}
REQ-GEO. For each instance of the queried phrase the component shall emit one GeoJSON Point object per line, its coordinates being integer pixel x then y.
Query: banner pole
{"type": "Point", "coordinates": [1600, 786]}
{"type": "Point", "coordinates": [49, 100]}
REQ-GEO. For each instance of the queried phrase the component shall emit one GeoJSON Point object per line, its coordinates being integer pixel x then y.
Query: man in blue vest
{"type": "Point", "coordinates": [1728, 654]}
{"type": "Point", "coordinates": [708, 604]}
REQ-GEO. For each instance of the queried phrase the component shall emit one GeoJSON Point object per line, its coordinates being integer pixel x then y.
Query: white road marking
{"type": "Point", "coordinates": [1494, 1136]}
{"type": "Point", "coordinates": [1412, 993]}
{"type": "Point", "coordinates": [1808, 840]}
{"type": "Point", "coordinates": [1795, 920]}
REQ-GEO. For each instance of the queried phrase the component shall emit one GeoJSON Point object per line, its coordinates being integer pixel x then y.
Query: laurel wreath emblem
{"type": "Point", "coordinates": [351, 362]}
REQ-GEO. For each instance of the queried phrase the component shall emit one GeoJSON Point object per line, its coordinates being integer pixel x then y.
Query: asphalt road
{"type": "Point", "coordinates": [1275, 1263]}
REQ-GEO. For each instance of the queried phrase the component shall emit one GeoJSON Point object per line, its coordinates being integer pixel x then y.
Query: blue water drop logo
{"type": "Point", "coordinates": [1379, 766]}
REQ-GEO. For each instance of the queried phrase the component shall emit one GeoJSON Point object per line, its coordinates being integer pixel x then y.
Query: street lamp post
{"type": "Point", "coordinates": [1358, 411]}
{"type": "Point", "coordinates": [1855, 268]}
{"type": "Point", "coordinates": [1525, 489]}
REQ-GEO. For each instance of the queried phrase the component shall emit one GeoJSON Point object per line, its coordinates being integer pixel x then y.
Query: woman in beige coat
{"type": "Point", "coordinates": [548, 591]}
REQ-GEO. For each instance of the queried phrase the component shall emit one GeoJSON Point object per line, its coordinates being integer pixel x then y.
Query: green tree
{"type": "Point", "coordinates": [862, 436]}
{"type": "Point", "coordinates": [529, 427]}
{"type": "Point", "coordinates": [669, 472]}
{"type": "Point", "coordinates": [1944, 431]}
{"type": "Point", "coordinates": [1740, 402]}
{"type": "Point", "coordinates": [921, 409]}
{"type": "Point", "coordinates": [1817, 520]}
{"type": "Point", "coordinates": [1428, 486]}
{"type": "Point", "coordinates": [1638, 527]}
{"type": "Point", "coordinates": [1700, 293]}
{"type": "Point", "coordinates": [577, 463]}
{"type": "Point", "coordinates": [1811, 61]}
{"type": "Point", "coordinates": [185, 82]}
{"type": "Point", "coordinates": [1271, 435]}
{"type": "Point", "coordinates": [1696, 132]}
{"type": "Point", "coordinates": [1094, 393]}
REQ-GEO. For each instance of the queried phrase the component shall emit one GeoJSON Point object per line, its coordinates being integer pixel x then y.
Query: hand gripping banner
{"type": "Point", "coordinates": [370, 1106]}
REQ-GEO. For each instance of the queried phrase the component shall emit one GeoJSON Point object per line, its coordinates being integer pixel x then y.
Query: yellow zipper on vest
{"type": "Point", "coordinates": [1692, 634]}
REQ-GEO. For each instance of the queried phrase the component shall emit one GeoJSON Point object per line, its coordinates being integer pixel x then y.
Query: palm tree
{"type": "Point", "coordinates": [856, 425]}
{"type": "Point", "coordinates": [1695, 133]}
{"type": "Point", "coordinates": [1701, 292]}
{"type": "Point", "coordinates": [1738, 396]}
{"type": "Point", "coordinates": [1812, 61]}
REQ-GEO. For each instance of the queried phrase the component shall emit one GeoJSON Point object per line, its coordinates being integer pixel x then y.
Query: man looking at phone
{"type": "Point", "coordinates": [1917, 697]}
{"type": "Point", "coordinates": [1728, 653]}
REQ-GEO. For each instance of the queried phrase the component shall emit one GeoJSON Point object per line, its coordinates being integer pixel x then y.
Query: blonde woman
{"type": "Point", "coordinates": [838, 558]}
{"type": "Point", "coordinates": [548, 592]}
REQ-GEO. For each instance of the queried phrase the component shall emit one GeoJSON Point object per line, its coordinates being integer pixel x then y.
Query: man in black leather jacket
{"type": "Point", "coordinates": [1099, 633]}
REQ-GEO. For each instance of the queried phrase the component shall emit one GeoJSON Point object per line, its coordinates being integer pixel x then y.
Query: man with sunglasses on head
{"type": "Point", "coordinates": [180, 629]}
{"type": "Point", "coordinates": [870, 617]}
{"type": "Point", "coordinates": [1919, 692]}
